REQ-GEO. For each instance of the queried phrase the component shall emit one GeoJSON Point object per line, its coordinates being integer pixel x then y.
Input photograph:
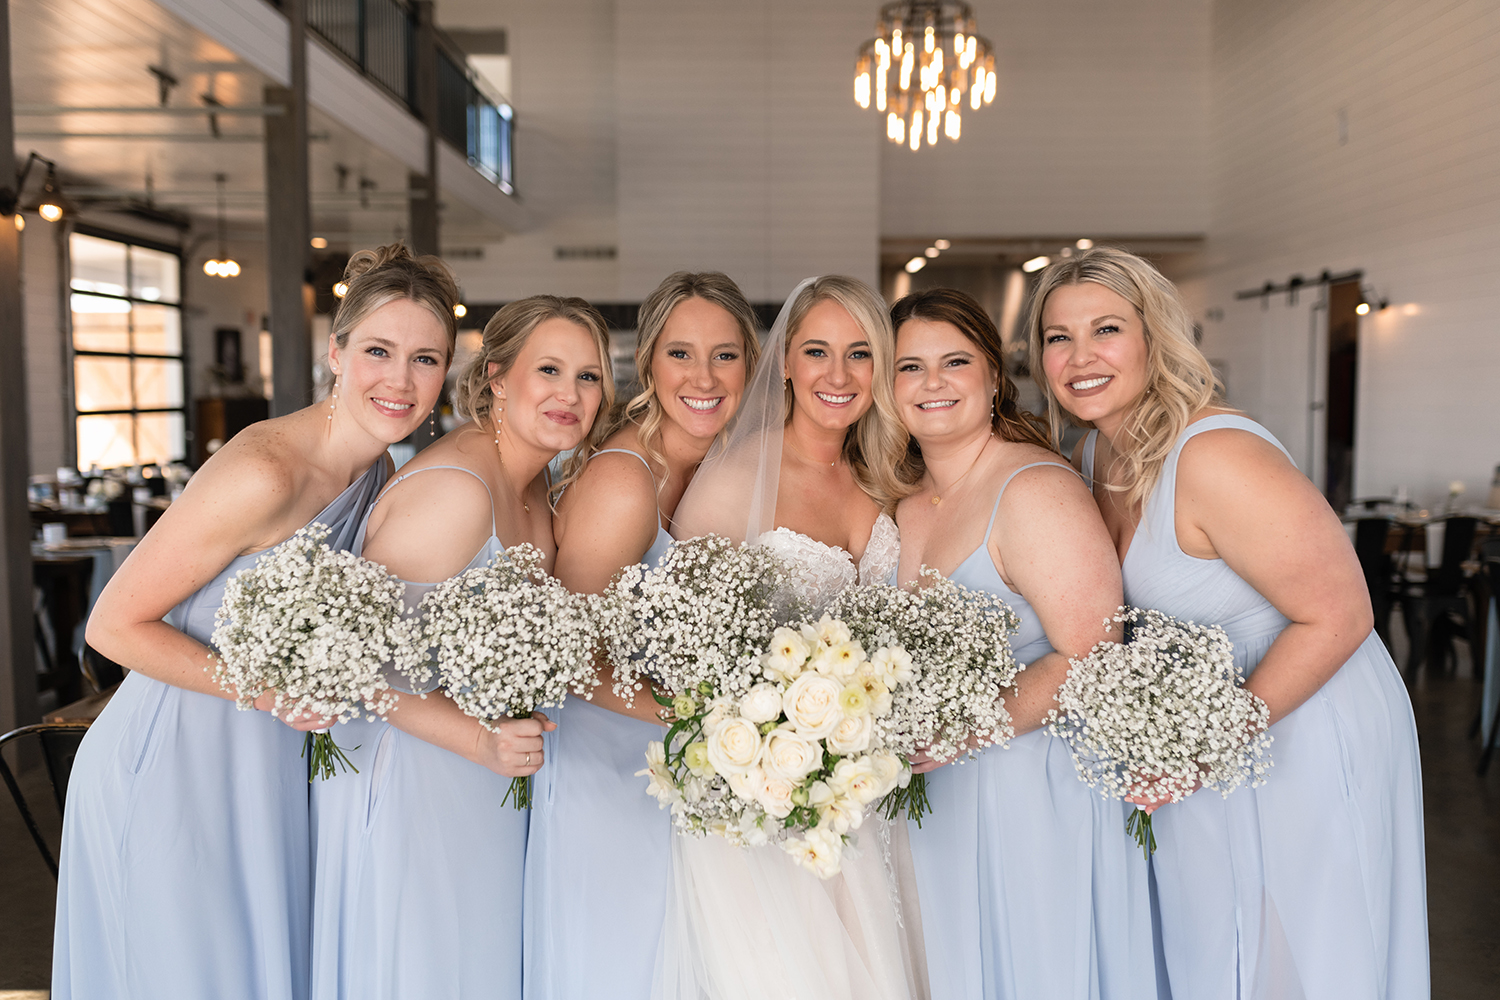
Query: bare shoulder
{"type": "Point", "coordinates": [254, 480]}
{"type": "Point", "coordinates": [615, 495]}
{"type": "Point", "coordinates": [430, 523]}
{"type": "Point", "coordinates": [1232, 455]}
{"type": "Point", "coordinates": [1045, 485]}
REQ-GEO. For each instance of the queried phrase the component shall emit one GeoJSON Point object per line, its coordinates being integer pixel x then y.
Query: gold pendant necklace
{"type": "Point", "coordinates": [937, 499]}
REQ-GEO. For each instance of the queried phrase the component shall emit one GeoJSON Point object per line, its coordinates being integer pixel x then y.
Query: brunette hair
{"type": "Point", "coordinates": [1179, 380]}
{"type": "Point", "coordinates": [949, 305]}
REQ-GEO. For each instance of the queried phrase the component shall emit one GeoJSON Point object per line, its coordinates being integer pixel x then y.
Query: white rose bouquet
{"type": "Point", "coordinates": [506, 639]}
{"type": "Point", "coordinates": [956, 650]}
{"type": "Point", "coordinates": [777, 733]}
{"type": "Point", "coordinates": [1161, 714]}
{"type": "Point", "coordinates": [318, 626]}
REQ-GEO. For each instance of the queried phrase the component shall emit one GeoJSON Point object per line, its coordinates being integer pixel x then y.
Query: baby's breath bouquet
{"type": "Point", "coordinates": [1160, 714]}
{"type": "Point", "coordinates": [958, 641]}
{"type": "Point", "coordinates": [778, 724]}
{"type": "Point", "coordinates": [506, 639]}
{"type": "Point", "coordinates": [318, 626]}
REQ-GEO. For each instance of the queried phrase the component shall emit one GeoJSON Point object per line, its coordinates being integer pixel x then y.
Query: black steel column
{"type": "Point", "coordinates": [18, 705]}
{"type": "Point", "coordinates": [289, 225]}
{"type": "Point", "coordinates": [422, 191]}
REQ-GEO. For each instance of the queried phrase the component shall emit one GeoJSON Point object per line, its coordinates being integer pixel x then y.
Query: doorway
{"type": "Point", "coordinates": [1342, 392]}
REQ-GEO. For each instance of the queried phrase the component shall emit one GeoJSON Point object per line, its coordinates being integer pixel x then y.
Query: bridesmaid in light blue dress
{"type": "Point", "coordinates": [419, 856]}
{"type": "Point", "coordinates": [597, 862]}
{"type": "Point", "coordinates": [1028, 889]}
{"type": "Point", "coordinates": [185, 842]}
{"type": "Point", "coordinates": [1313, 885]}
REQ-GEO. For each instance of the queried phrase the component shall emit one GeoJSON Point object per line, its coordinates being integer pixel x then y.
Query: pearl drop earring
{"type": "Point", "coordinates": [333, 396]}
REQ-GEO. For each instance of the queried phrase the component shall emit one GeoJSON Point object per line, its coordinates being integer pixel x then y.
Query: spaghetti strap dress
{"type": "Point", "coordinates": [417, 865]}
{"type": "Point", "coordinates": [1030, 888]}
{"type": "Point", "coordinates": [1312, 886]}
{"type": "Point", "coordinates": [184, 868]}
{"type": "Point", "coordinates": [599, 853]}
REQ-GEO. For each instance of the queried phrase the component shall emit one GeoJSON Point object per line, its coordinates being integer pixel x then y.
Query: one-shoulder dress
{"type": "Point", "coordinates": [418, 864]}
{"type": "Point", "coordinates": [185, 848]}
{"type": "Point", "coordinates": [598, 857]}
{"type": "Point", "coordinates": [1030, 887]}
{"type": "Point", "coordinates": [1313, 885]}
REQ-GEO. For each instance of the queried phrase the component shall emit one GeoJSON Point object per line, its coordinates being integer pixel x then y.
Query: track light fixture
{"type": "Point", "coordinates": [51, 204]}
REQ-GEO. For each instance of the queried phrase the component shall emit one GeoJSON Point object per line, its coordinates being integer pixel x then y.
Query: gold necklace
{"type": "Point", "coordinates": [936, 499]}
{"type": "Point", "coordinates": [521, 496]}
{"type": "Point", "coordinates": [812, 461]}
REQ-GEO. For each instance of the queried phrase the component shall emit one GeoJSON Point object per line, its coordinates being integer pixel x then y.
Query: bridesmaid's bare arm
{"type": "Point", "coordinates": [1239, 499]}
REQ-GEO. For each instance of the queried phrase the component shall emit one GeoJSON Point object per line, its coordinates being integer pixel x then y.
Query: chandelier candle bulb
{"type": "Point", "coordinates": [952, 60]}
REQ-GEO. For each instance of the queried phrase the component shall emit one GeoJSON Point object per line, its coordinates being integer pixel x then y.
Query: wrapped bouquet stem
{"type": "Point", "coordinates": [317, 626]}
{"type": "Point", "coordinates": [506, 640]}
{"type": "Point", "coordinates": [1159, 714]}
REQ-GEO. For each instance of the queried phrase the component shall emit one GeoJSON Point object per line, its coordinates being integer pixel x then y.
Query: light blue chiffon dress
{"type": "Point", "coordinates": [598, 859]}
{"type": "Point", "coordinates": [185, 849]}
{"type": "Point", "coordinates": [417, 867]}
{"type": "Point", "coordinates": [1313, 885]}
{"type": "Point", "coordinates": [1030, 889]}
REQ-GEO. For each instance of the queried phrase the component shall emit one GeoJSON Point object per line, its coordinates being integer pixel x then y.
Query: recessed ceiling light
{"type": "Point", "coordinates": [1036, 264]}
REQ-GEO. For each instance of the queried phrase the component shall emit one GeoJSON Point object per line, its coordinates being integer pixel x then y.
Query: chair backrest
{"type": "Point", "coordinates": [1458, 544]}
{"type": "Point", "coordinates": [102, 672]}
{"type": "Point", "coordinates": [59, 742]}
{"type": "Point", "coordinates": [1370, 535]}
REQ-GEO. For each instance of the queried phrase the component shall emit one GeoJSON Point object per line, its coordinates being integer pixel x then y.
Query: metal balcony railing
{"type": "Point", "coordinates": [379, 37]}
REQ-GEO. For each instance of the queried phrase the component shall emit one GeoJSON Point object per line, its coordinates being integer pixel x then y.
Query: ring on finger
{"type": "Point", "coordinates": [528, 759]}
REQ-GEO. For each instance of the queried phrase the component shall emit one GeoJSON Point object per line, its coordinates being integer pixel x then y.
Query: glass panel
{"type": "Point", "coordinates": [157, 383]}
{"type": "Point", "coordinates": [161, 438]}
{"type": "Point", "coordinates": [153, 275]}
{"type": "Point", "coordinates": [158, 329]}
{"type": "Point", "coordinates": [105, 441]}
{"type": "Point", "coordinates": [98, 265]}
{"type": "Point", "coordinates": [100, 324]}
{"type": "Point", "coordinates": [101, 383]}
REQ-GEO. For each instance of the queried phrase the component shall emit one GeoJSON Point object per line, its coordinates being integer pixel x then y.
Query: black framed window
{"type": "Point", "coordinates": [129, 384]}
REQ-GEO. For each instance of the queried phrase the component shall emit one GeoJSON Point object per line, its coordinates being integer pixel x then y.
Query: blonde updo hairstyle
{"type": "Point", "coordinates": [381, 276]}
{"type": "Point", "coordinates": [644, 408]}
{"type": "Point", "coordinates": [505, 336]}
{"type": "Point", "coordinates": [875, 446]}
{"type": "Point", "coordinates": [1179, 380]}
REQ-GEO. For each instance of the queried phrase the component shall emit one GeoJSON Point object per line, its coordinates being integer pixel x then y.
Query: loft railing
{"type": "Point", "coordinates": [379, 37]}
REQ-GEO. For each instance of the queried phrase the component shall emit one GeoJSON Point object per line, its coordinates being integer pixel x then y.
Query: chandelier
{"type": "Point", "coordinates": [923, 65]}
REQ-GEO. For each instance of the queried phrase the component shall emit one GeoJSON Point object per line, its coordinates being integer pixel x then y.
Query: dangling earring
{"type": "Point", "coordinates": [333, 396]}
{"type": "Point", "coordinates": [432, 422]}
{"type": "Point", "coordinates": [994, 403]}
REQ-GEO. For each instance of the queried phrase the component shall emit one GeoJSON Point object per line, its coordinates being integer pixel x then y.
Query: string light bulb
{"type": "Point", "coordinates": [227, 267]}
{"type": "Point", "coordinates": [340, 289]}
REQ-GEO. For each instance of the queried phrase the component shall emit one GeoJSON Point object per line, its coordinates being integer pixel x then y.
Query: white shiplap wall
{"type": "Point", "coordinates": [1408, 193]}
{"type": "Point", "coordinates": [740, 146]}
{"type": "Point", "coordinates": [1099, 126]}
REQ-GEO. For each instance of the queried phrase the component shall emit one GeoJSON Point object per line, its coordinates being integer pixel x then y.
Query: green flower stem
{"type": "Point", "coordinates": [325, 757]}
{"type": "Point", "coordinates": [912, 798]}
{"type": "Point", "coordinates": [1138, 823]}
{"type": "Point", "coordinates": [520, 789]}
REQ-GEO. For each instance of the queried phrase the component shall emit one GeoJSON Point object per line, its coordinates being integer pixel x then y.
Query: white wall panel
{"type": "Point", "coordinates": [1407, 192]}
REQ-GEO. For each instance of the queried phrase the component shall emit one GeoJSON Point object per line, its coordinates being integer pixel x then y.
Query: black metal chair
{"type": "Point", "coordinates": [59, 742]}
{"type": "Point", "coordinates": [1489, 674]}
{"type": "Point", "coordinates": [1436, 608]}
{"type": "Point", "coordinates": [1370, 537]}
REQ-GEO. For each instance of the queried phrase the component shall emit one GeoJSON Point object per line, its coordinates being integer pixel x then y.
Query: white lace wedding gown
{"type": "Point", "coordinates": [749, 924]}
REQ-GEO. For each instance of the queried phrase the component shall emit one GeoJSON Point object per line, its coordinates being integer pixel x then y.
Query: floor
{"type": "Point", "coordinates": [1463, 856]}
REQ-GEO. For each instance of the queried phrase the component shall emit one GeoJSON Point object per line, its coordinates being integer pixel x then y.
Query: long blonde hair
{"type": "Point", "coordinates": [644, 409]}
{"type": "Point", "coordinates": [1179, 380]}
{"type": "Point", "coordinates": [875, 445]}
{"type": "Point", "coordinates": [505, 336]}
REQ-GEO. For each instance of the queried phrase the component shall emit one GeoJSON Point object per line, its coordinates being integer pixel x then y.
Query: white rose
{"type": "Point", "coordinates": [811, 705]}
{"type": "Point", "coordinates": [891, 770]}
{"type": "Point", "coordinates": [893, 665]}
{"type": "Point", "coordinates": [851, 735]}
{"type": "Point", "coordinates": [745, 783]}
{"type": "Point", "coordinates": [791, 755]}
{"type": "Point", "coordinates": [762, 704]}
{"type": "Point", "coordinates": [775, 795]}
{"type": "Point", "coordinates": [734, 746]}
{"type": "Point", "coordinates": [718, 711]}
{"type": "Point", "coordinates": [819, 851]}
{"type": "Point", "coordinates": [855, 777]}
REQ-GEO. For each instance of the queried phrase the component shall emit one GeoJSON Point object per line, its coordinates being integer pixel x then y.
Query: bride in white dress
{"type": "Point", "coordinates": [798, 473]}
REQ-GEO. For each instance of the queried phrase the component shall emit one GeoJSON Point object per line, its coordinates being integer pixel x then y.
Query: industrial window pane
{"type": "Point", "coordinates": [159, 438]}
{"type": "Point", "coordinates": [158, 382]}
{"type": "Point", "coordinates": [105, 441]}
{"type": "Point", "coordinates": [100, 324]}
{"type": "Point", "coordinates": [98, 265]}
{"type": "Point", "coordinates": [158, 329]}
{"type": "Point", "coordinates": [153, 275]}
{"type": "Point", "coordinates": [101, 383]}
